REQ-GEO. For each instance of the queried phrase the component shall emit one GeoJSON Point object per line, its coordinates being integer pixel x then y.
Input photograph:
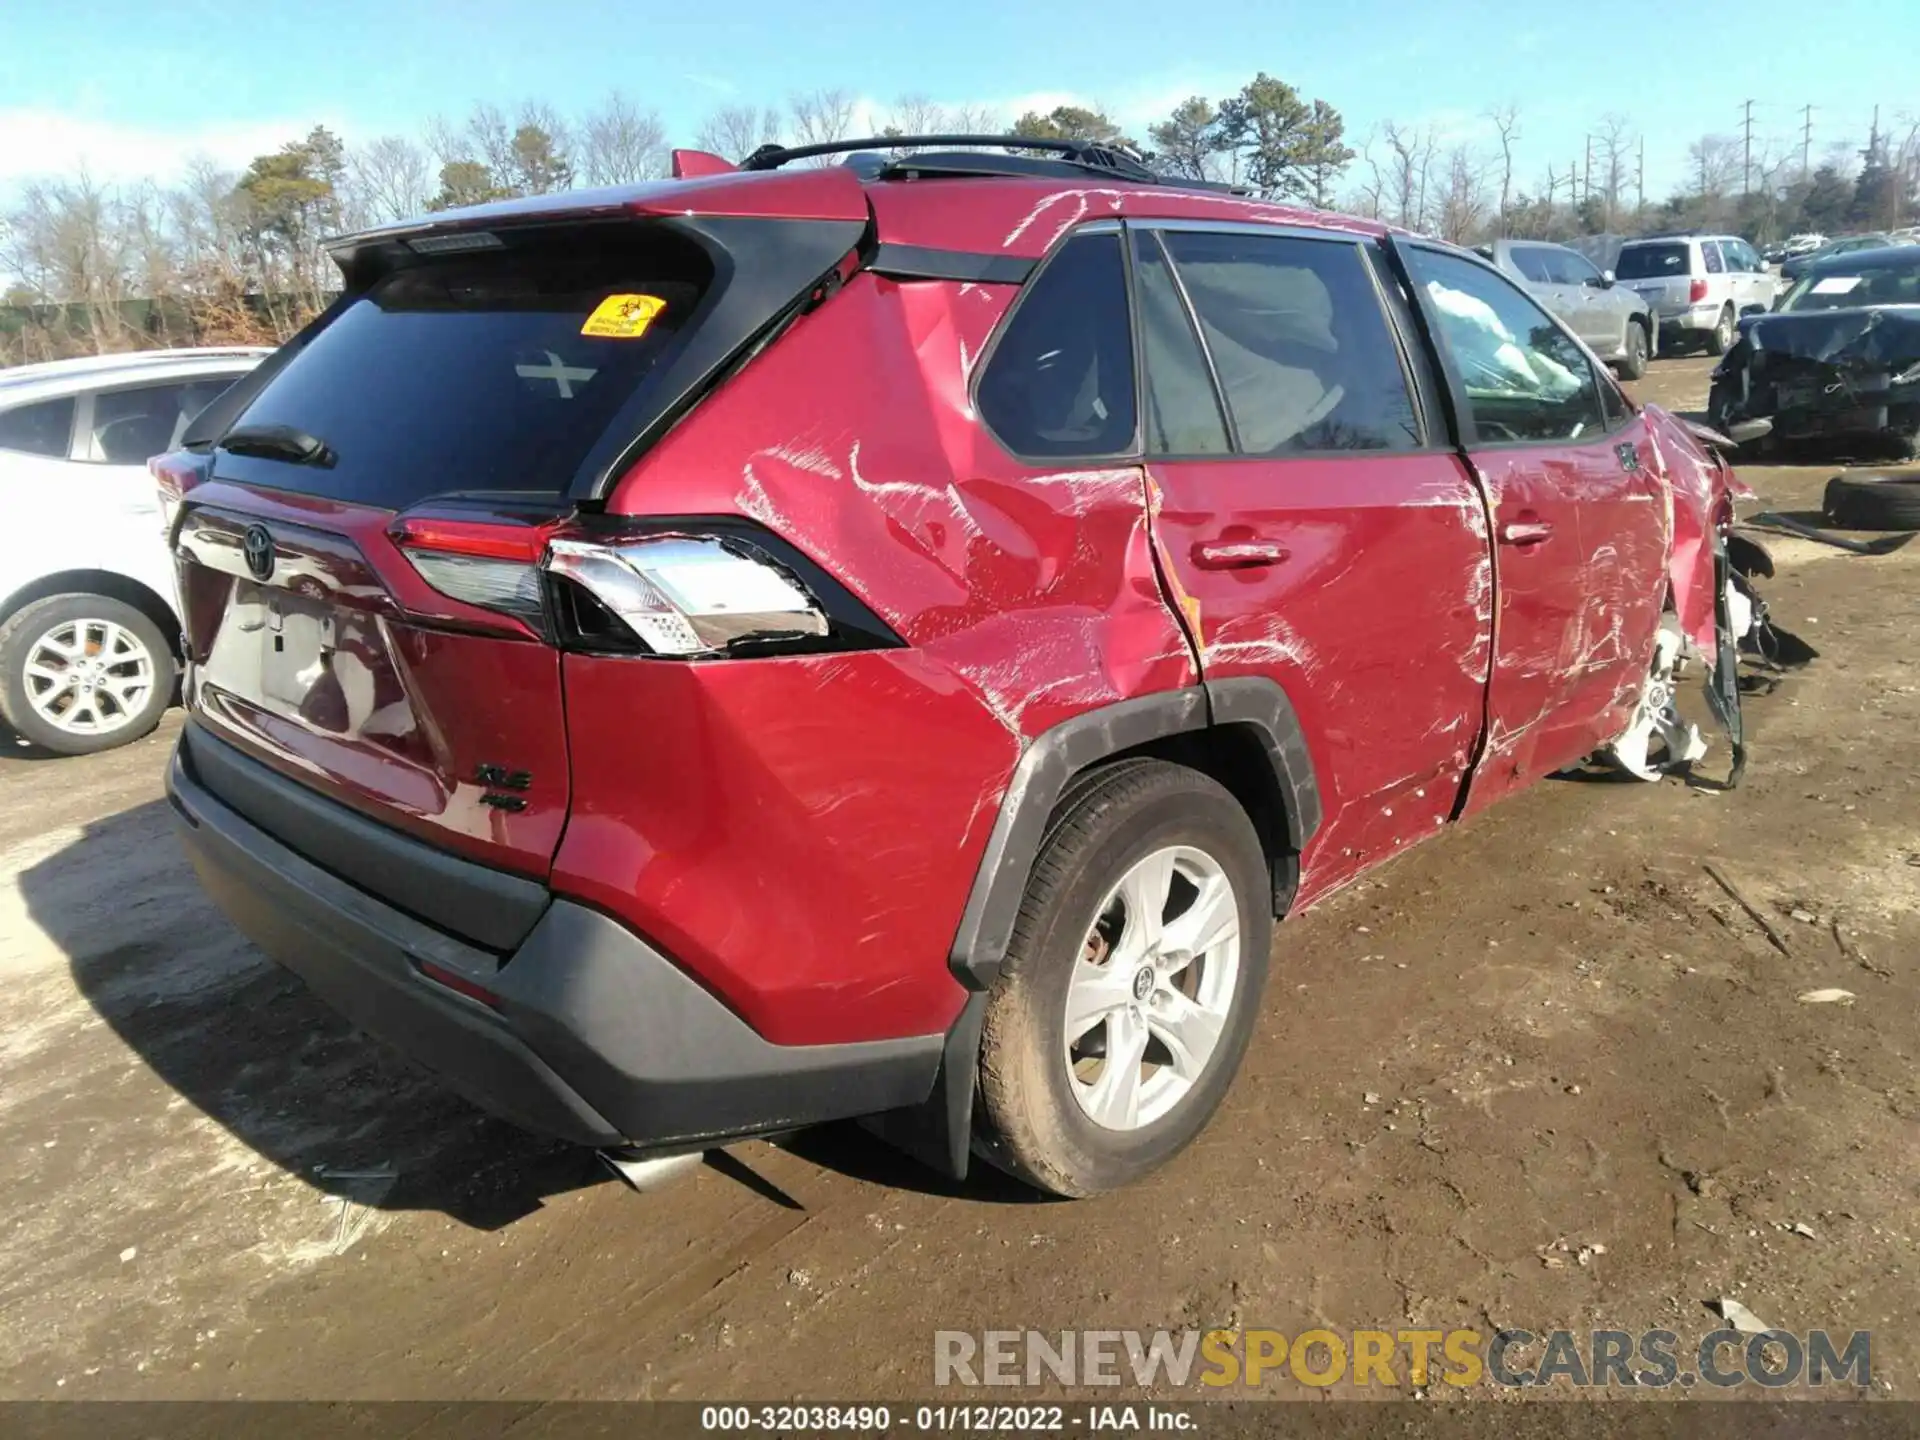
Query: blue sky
{"type": "Point", "coordinates": [131, 87]}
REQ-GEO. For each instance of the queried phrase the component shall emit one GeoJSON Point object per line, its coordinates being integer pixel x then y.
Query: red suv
{"type": "Point", "coordinates": [887, 639]}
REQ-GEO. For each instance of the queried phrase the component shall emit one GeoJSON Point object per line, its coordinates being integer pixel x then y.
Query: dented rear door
{"type": "Point", "coordinates": [1310, 532]}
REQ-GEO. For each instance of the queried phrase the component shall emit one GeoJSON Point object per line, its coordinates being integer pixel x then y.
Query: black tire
{"type": "Point", "coordinates": [1720, 338]}
{"type": "Point", "coordinates": [1028, 1122]}
{"type": "Point", "coordinates": [1634, 365]}
{"type": "Point", "coordinates": [28, 625]}
{"type": "Point", "coordinates": [1873, 502]}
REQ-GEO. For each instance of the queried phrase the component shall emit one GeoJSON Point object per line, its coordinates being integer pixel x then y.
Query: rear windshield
{"type": "Point", "coordinates": [1650, 262]}
{"type": "Point", "coordinates": [476, 371]}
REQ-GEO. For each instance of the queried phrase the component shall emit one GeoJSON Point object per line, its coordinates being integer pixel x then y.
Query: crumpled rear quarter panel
{"type": "Point", "coordinates": [865, 785]}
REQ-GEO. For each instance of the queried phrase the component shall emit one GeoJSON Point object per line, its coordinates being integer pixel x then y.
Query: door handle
{"type": "Point", "coordinates": [1525, 532]}
{"type": "Point", "coordinates": [1238, 554]}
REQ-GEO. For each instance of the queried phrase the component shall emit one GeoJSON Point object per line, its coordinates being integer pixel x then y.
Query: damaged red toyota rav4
{"type": "Point", "coordinates": [888, 639]}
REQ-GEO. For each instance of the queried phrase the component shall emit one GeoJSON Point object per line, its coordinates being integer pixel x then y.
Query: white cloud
{"type": "Point", "coordinates": [37, 144]}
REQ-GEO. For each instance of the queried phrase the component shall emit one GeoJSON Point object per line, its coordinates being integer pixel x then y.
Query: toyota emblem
{"type": "Point", "coordinates": [257, 547]}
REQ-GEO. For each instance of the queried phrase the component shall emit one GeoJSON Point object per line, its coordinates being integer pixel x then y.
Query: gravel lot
{"type": "Point", "coordinates": [1571, 1035]}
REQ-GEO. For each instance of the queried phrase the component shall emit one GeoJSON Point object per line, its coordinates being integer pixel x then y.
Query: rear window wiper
{"type": "Point", "coordinates": [279, 442]}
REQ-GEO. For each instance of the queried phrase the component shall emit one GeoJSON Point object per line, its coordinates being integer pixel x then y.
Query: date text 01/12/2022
{"type": "Point", "coordinates": [939, 1419]}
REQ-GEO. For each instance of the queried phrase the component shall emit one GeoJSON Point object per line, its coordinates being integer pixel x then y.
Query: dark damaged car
{"type": "Point", "coordinates": [1839, 360]}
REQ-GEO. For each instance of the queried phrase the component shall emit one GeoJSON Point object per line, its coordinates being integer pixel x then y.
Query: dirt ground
{"type": "Point", "coordinates": [1549, 1031]}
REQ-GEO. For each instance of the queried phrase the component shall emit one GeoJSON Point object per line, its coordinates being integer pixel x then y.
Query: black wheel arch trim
{"type": "Point", "coordinates": [1051, 761]}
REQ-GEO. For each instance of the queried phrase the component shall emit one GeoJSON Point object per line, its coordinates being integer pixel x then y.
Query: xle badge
{"type": "Point", "coordinates": [502, 785]}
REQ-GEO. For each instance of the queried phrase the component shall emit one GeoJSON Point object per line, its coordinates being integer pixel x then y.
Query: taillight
{"type": "Point", "coordinates": [174, 475]}
{"type": "Point", "coordinates": [1696, 292]}
{"type": "Point", "coordinates": [490, 564]}
{"type": "Point", "coordinates": [688, 594]}
{"type": "Point", "coordinates": [679, 591]}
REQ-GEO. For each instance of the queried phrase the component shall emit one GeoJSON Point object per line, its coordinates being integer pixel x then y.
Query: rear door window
{"type": "Point", "coordinates": [1652, 262]}
{"type": "Point", "coordinates": [1182, 407]}
{"type": "Point", "coordinates": [492, 370]}
{"type": "Point", "coordinates": [1060, 380]}
{"type": "Point", "coordinates": [44, 428]}
{"type": "Point", "coordinates": [1710, 252]}
{"type": "Point", "coordinates": [1526, 379]}
{"type": "Point", "coordinates": [1531, 262]}
{"type": "Point", "coordinates": [1299, 340]}
{"type": "Point", "coordinates": [1570, 267]}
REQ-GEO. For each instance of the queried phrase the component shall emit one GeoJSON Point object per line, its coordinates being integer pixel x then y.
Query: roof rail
{"type": "Point", "coordinates": [1114, 161]}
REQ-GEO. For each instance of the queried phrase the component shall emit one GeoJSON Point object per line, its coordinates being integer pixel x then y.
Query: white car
{"type": "Point", "coordinates": [1698, 286]}
{"type": "Point", "coordinates": [89, 626]}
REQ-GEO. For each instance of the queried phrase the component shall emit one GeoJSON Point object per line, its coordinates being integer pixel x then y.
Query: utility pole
{"type": "Point", "coordinates": [1806, 144]}
{"type": "Point", "coordinates": [1746, 165]}
{"type": "Point", "coordinates": [1640, 179]}
{"type": "Point", "coordinates": [1586, 178]}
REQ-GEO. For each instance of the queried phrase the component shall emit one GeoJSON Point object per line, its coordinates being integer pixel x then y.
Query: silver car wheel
{"type": "Point", "coordinates": [89, 677]}
{"type": "Point", "coordinates": [1152, 988]}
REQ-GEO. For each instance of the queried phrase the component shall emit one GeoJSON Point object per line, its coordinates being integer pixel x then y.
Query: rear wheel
{"type": "Point", "coordinates": [83, 673]}
{"type": "Point", "coordinates": [1634, 364]}
{"type": "Point", "coordinates": [1130, 989]}
{"type": "Point", "coordinates": [1720, 338]}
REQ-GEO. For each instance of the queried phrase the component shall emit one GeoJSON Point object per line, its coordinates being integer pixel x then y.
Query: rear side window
{"type": "Point", "coordinates": [1710, 252]}
{"type": "Point", "coordinates": [475, 371]}
{"type": "Point", "coordinates": [1060, 380]}
{"type": "Point", "coordinates": [1183, 410]}
{"type": "Point", "coordinates": [1526, 379]}
{"type": "Point", "coordinates": [1652, 262]}
{"type": "Point", "coordinates": [42, 429]}
{"type": "Point", "coordinates": [1299, 340]}
{"type": "Point", "coordinates": [131, 426]}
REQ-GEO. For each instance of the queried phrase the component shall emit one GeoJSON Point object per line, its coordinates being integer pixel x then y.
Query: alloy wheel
{"type": "Point", "coordinates": [89, 677]}
{"type": "Point", "coordinates": [1152, 988]}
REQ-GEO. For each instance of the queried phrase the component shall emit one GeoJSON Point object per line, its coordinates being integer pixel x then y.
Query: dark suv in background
{"type": "Point", "coordinates": [888, 639]}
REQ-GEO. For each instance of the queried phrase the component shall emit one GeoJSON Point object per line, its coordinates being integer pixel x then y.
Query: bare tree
{"type": "Point", "coordinates": [1713, 163]}
{"type": "Point", "coordinates": [1506, 124]}
{"type": "Point", "coordinates": [488, 138]}
{"type": "Point", "coordinates": [976, 120]}
{"type": "Point", "coordinates": [621, 143]}
{"type": "Point", "coordinates": [1462, 209]}
{"type": "Point", "coordinates": [738, 130]}
{"type": "Point", "coordinates": [821, 117]}
{"type": "Point", "coordinates": [1408, 162]}
{"type": "Point", "coordinates": [913, 115]}
{"type": "Point", "coordinates": [1616, 140]}
{"type": "Point", "coordinates": [391, 179]}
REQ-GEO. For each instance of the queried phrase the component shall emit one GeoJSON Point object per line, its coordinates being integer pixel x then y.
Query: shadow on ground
{"type": "Point", "coordinates": [246, 1043]}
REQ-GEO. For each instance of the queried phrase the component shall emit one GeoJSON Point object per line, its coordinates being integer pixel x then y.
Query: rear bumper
{"type": "Point", "coordinates": [597, 1037]}
{"type": "Point", "coordinates": [1691, 317]}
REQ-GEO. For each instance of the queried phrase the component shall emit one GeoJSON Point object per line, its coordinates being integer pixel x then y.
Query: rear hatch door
{"type": "Point", "coordinates": [359, 569]}
{"type": "Point", "coordinates": [1660, 272]}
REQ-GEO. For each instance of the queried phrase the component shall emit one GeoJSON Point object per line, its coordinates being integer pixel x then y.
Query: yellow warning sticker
{"type": "Point", "coordinates": [623, 317]}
